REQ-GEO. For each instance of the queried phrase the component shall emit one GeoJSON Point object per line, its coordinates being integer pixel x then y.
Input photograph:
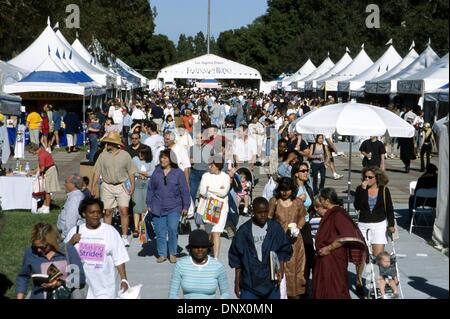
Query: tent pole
{"type": "Point", "coordinates": [84, 120]}
{"type": "Point", "coordinates": [349, 182]}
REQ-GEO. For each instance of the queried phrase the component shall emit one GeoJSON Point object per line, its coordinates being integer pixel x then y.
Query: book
{"type": "Point", "coordinates": [274, 266]}
{"type": "Point", "coordinates": [52, 273]}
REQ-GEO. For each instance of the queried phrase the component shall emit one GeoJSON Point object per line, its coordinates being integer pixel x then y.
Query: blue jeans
{"type": "Point", "coordinates": [194, 182]}
{"type": "Point", "coordinates": [316, 168]}
{"type": "Point", "coordinates": [274, 294]}
{"type": "Point", "coordinates": [93, 145]}
{"type": "Point", "coordinates": [164, 225]}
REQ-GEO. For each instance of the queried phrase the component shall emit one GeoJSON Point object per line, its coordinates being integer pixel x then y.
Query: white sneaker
{"type": "Point", "coordinates": [125, 240]}
{"type": "Point", "coordinates": [337, 176]}
{"type": "Point", "coordinates": [44, 210]}
{"type": "Point", "coordinates": [57, 146]}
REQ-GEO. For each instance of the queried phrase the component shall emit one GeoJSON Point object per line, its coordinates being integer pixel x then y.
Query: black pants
{"type": "Point", "coordinates": [426, 149]}
{"type": "Point", "coordinates": [309, 251]}
{"type": "Point", "coordinates": [316, 169]}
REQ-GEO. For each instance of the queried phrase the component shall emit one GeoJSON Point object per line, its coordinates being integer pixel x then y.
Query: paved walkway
{"type": "Point", "coordinates": [424, 271]}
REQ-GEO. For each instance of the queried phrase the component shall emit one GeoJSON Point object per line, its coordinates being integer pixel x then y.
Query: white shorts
{"type": "Point", "coordinates": [377, 232]}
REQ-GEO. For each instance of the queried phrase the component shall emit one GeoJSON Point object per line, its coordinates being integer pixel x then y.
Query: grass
{"type": "Point", "coordinates": [15, 237]}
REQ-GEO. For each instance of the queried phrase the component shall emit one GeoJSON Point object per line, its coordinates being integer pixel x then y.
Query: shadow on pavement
{"type": "Point", "coordinates": [421, 284]}
{"type": "Point", "coordinates": [149, 249]}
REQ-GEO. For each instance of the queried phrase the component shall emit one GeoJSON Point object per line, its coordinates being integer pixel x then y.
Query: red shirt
{"type": "Point", "coordinates": [45, 125]}
{"type": "Point", "coordinates": [45, 159]}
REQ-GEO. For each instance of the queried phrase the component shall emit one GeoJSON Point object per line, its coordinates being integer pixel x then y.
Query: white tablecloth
{"type": "Point", "coordinates": [16, 192]}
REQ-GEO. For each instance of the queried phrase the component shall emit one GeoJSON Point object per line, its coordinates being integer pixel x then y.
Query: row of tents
{"type": "Point", "coordinates": [425, 74]}
{"type": "Point", "coordinates": [52, 64]}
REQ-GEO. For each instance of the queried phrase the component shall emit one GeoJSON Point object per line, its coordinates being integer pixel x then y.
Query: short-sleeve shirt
{"type": "Point", "coordinates": [45, 159]}
{"type": "Point", "coordinates": [376, 148]}
{"type": "Point", "coordinates": [259, 234]}
{"type": "Point", "coordinates": [115, 168]}
{"type": "Point", "coordinates": [245, 150]}
{"type": "Point", "coordinates": [34, 120]}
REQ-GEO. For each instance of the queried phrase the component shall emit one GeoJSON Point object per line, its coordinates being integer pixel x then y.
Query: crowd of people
{"type": "Point", "coordinates": [178, 154]}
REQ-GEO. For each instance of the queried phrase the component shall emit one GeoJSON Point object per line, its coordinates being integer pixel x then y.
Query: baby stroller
{"type": "Point", "coordinates": [238, 188]}
{"type": "Point", "coordinates": [373, 272]}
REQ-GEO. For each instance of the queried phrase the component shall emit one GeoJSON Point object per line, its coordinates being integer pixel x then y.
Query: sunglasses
{"type": "Point", "coordinates": [369, 177]}
{"type": "Point", "coordinates": [304, 170]}
{"type": "Point", "coordinates": [165, 180]}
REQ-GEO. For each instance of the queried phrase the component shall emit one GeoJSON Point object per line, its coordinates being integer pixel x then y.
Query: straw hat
{"type": "Point", "coordinates": [112, 137]}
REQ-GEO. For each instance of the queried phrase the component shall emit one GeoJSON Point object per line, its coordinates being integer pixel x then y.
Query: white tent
{"type": "Point", "coordinates": [424, 60]}
{"type": "Point", "coordinates": [84, 53]}
{"type": "Point", "coordinates": [441, 223]}
{"type": "Point", "coordinates": [386, 62]}
{"type": "Point", "coordinates": [427, 80]}
{"type": "Point", "coordinates": [10, 74]}
{"type": "Point", "coordinates": [209, 66]}
{"type": "Point", "coordinates": [37, 52]}
{"type": "Point", "coordinates": [144, 80]}
{"type": "Point", "coordinates": [439, 95]}
{"type": "Point", "coordinates": [49, 77]}
{"type": "Point", "coordinates": [338, 67]}
{"type": "Point", "coordinates": [359, 64]}
{"type": "Point", "coordinates": [323, 68]}
{"type": "Point", "coordinates": [375, 86]}
{"type": "Point", "coordinates": [301, 73]}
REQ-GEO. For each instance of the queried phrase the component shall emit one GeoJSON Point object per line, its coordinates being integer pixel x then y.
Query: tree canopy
{"type": "Point", "coordinates": [292, 31]}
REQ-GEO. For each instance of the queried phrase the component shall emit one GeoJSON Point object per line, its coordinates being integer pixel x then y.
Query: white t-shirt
{"type": "Point", "coordinates": [100, 250]}
{"type": "Point", "coordinates": [245, 150]}
{"type": "Point", "coordinates": [118, 117]}
{"type": "Point", "coordinates": [156, 143]}
{"type": "Point", "coordinates": [138, 115]}
{"type": "Point", "coordinates": [182, 156]}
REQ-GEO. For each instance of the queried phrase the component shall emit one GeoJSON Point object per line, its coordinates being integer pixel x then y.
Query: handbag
{"type": "Point", "coordinates": [184, 227]}
{"type": "Point", "coordinates": [213, 209]}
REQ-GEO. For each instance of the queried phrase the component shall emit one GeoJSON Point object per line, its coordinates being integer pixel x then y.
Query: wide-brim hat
{"type": "Point", "coordinates": [112, 137]}
{"type": "Point", "coordinates": [199, 239]}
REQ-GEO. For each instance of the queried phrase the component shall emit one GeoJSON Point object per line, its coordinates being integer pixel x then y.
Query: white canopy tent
{"type": "Point", "coordinates": [311, 85]}
{"type": "Point", "coordinates": [301, 73]}
{"type": "Point", "coordinates": [376, 86]}
{"type": "Point", "coordinates": [209, 66]}
{"type": "Point", "coordinates": [32, 57]}
{"type": "Point", "coordinates": [359, 64]}
{"type": "Point", "coordinates": [51, 77]}
{"type": "Point", "coordinates": [427, 80]}
{"type": "Point", "coordinates": [439, 95]}
{"type": "Point", "coordinates": [129, 69]}
{"type": "Point", "coordinates": [387, 61]}
{"type": "Point", "coordinates": [424, 60]}
{"type": "Point", "coordinates": [323, 68]}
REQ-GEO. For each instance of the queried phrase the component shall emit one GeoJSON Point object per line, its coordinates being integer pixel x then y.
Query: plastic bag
{"type": "Point", "coordinates": [269, 188]}
{"type": "Point", "coordinates": [131, 293]}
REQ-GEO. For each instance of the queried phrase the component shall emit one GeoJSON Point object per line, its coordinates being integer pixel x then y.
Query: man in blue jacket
{"type": "Point", "coordinates": [250, 254]}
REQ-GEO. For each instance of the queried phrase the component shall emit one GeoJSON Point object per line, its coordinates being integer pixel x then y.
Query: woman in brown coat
{"type": "Point", "coordinates": [287, 211]}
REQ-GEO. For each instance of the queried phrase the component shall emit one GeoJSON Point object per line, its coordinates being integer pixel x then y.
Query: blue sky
{"type": "Point", "coordinates": [191, 16]}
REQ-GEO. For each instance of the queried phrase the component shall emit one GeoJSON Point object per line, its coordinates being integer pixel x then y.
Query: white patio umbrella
{"type": "Point", "coordinates": [354, 119]}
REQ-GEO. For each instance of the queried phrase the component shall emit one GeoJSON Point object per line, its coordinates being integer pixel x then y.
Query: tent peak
{"type": "Point", "coordinates": [48, 21]}
{"type": "Point", "coordinates": [389, 42]}
{"type": "Point", "coordinates": [413, 45]}
{"type": "Point", "coordinates": [347, 50]}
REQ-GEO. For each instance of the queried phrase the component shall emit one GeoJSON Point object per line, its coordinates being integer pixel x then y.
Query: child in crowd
{"type": "Point", "coordinates": [169, 124]}
{"type": "Point", "coordinates": [244, 193]}
{"type": "Point", "coordinates": [388, 274]}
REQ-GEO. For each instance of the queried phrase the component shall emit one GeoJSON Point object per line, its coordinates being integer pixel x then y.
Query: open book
{"type": "Point", "coordinates": [274, 266]}
{"type": "Point", "coordinates": [52, 273]}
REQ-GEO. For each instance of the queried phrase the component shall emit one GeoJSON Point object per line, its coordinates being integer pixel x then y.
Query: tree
{"type": "Point", "coordinates": [185, 48]}
{"type": "Point", "coordinates": [200, 44]}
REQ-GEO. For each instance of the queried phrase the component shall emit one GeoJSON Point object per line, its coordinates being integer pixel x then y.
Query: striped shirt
{"type": "Point", "coordinates": [199, 281]}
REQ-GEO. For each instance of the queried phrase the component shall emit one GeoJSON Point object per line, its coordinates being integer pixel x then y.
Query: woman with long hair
{"type": "Point", "coordinates": [300, 176]}
{"type": "Point", "coordinates": [287, 211]}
